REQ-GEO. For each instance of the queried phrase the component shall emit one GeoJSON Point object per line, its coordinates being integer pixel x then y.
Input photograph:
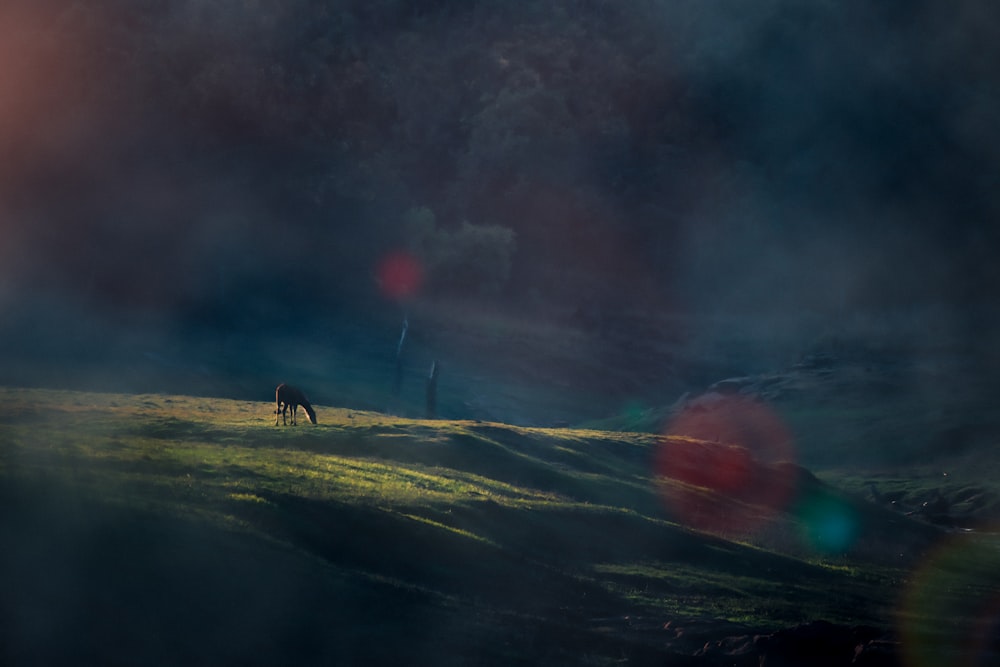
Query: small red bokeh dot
{"type": "Point", "coordinates": [399, 275]}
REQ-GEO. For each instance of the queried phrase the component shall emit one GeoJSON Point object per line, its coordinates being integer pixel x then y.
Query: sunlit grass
{"type": "Point", "coordinates": [450, 529]}
{"type": "Point", "coordinates": [186, 451]}
{"type": "Point", "coordinates": [573, 505]}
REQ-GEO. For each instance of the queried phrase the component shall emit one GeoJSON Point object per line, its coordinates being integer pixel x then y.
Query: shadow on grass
{"type": "Point", "coordinates": [88, 583]}
{"type": "Point", "coordinates": [84, 583]}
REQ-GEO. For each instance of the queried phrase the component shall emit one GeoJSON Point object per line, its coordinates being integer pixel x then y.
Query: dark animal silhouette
{"type": "Point", "coordinates": [286, 397]}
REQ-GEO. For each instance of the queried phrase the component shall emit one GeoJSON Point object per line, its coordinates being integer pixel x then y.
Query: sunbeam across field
{"type": "Point", "coordinates": [468, 532]}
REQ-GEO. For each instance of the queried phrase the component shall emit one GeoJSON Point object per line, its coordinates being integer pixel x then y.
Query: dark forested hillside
{"type": "Point", "coordinates": [210, 157]}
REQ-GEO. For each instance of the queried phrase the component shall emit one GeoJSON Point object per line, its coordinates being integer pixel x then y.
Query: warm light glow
{"type": "Point", "coordinates": [51, 97]}
{"type": "Point", "coordinates": [724, 467]}
{"type": "Point", "coordinates": [950, 612]}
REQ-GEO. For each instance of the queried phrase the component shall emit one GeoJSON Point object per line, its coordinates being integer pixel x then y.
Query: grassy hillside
{"type": "Point", "coordinates": [162, 529]}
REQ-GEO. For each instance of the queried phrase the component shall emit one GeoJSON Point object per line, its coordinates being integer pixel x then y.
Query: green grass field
{"type": "Point", "coordinates": [156, 529]}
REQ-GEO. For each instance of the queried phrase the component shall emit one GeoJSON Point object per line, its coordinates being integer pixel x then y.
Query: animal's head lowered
{"type": "Point", "coordinates": [310, 412]}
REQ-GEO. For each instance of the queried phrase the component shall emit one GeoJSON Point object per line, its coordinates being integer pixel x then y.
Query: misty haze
{"type": "Point", "coordinates": [649, 332]}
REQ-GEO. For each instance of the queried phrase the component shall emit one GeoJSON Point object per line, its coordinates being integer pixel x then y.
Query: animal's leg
{"type": "Point", "coordinates": [295, 412]}
{"type": "Point", "coordinates": [277, 411]}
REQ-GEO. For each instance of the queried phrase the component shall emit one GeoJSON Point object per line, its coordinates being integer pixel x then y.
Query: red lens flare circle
{"type": "Point", "coordinates": [399, 275]}
{"type": "Point", "coordinates": [723, 464]}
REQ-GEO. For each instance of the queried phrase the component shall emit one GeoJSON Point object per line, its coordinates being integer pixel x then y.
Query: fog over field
{"type": "Point", "coordinates": [659, 331]}
{"type": "Point", "coordinates": [202, 193]}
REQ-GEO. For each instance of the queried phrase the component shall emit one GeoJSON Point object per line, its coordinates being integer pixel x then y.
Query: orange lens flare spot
{"type": "Point", "coordinates": [950, 610]}
{"type": "Point", "coordinates": [399, 275]}
{"type": "Point", "coordinates": [720, 464]}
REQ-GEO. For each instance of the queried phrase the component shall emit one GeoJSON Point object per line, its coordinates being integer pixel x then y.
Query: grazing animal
{"type": "Point", "coordinates": [286, 397]}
